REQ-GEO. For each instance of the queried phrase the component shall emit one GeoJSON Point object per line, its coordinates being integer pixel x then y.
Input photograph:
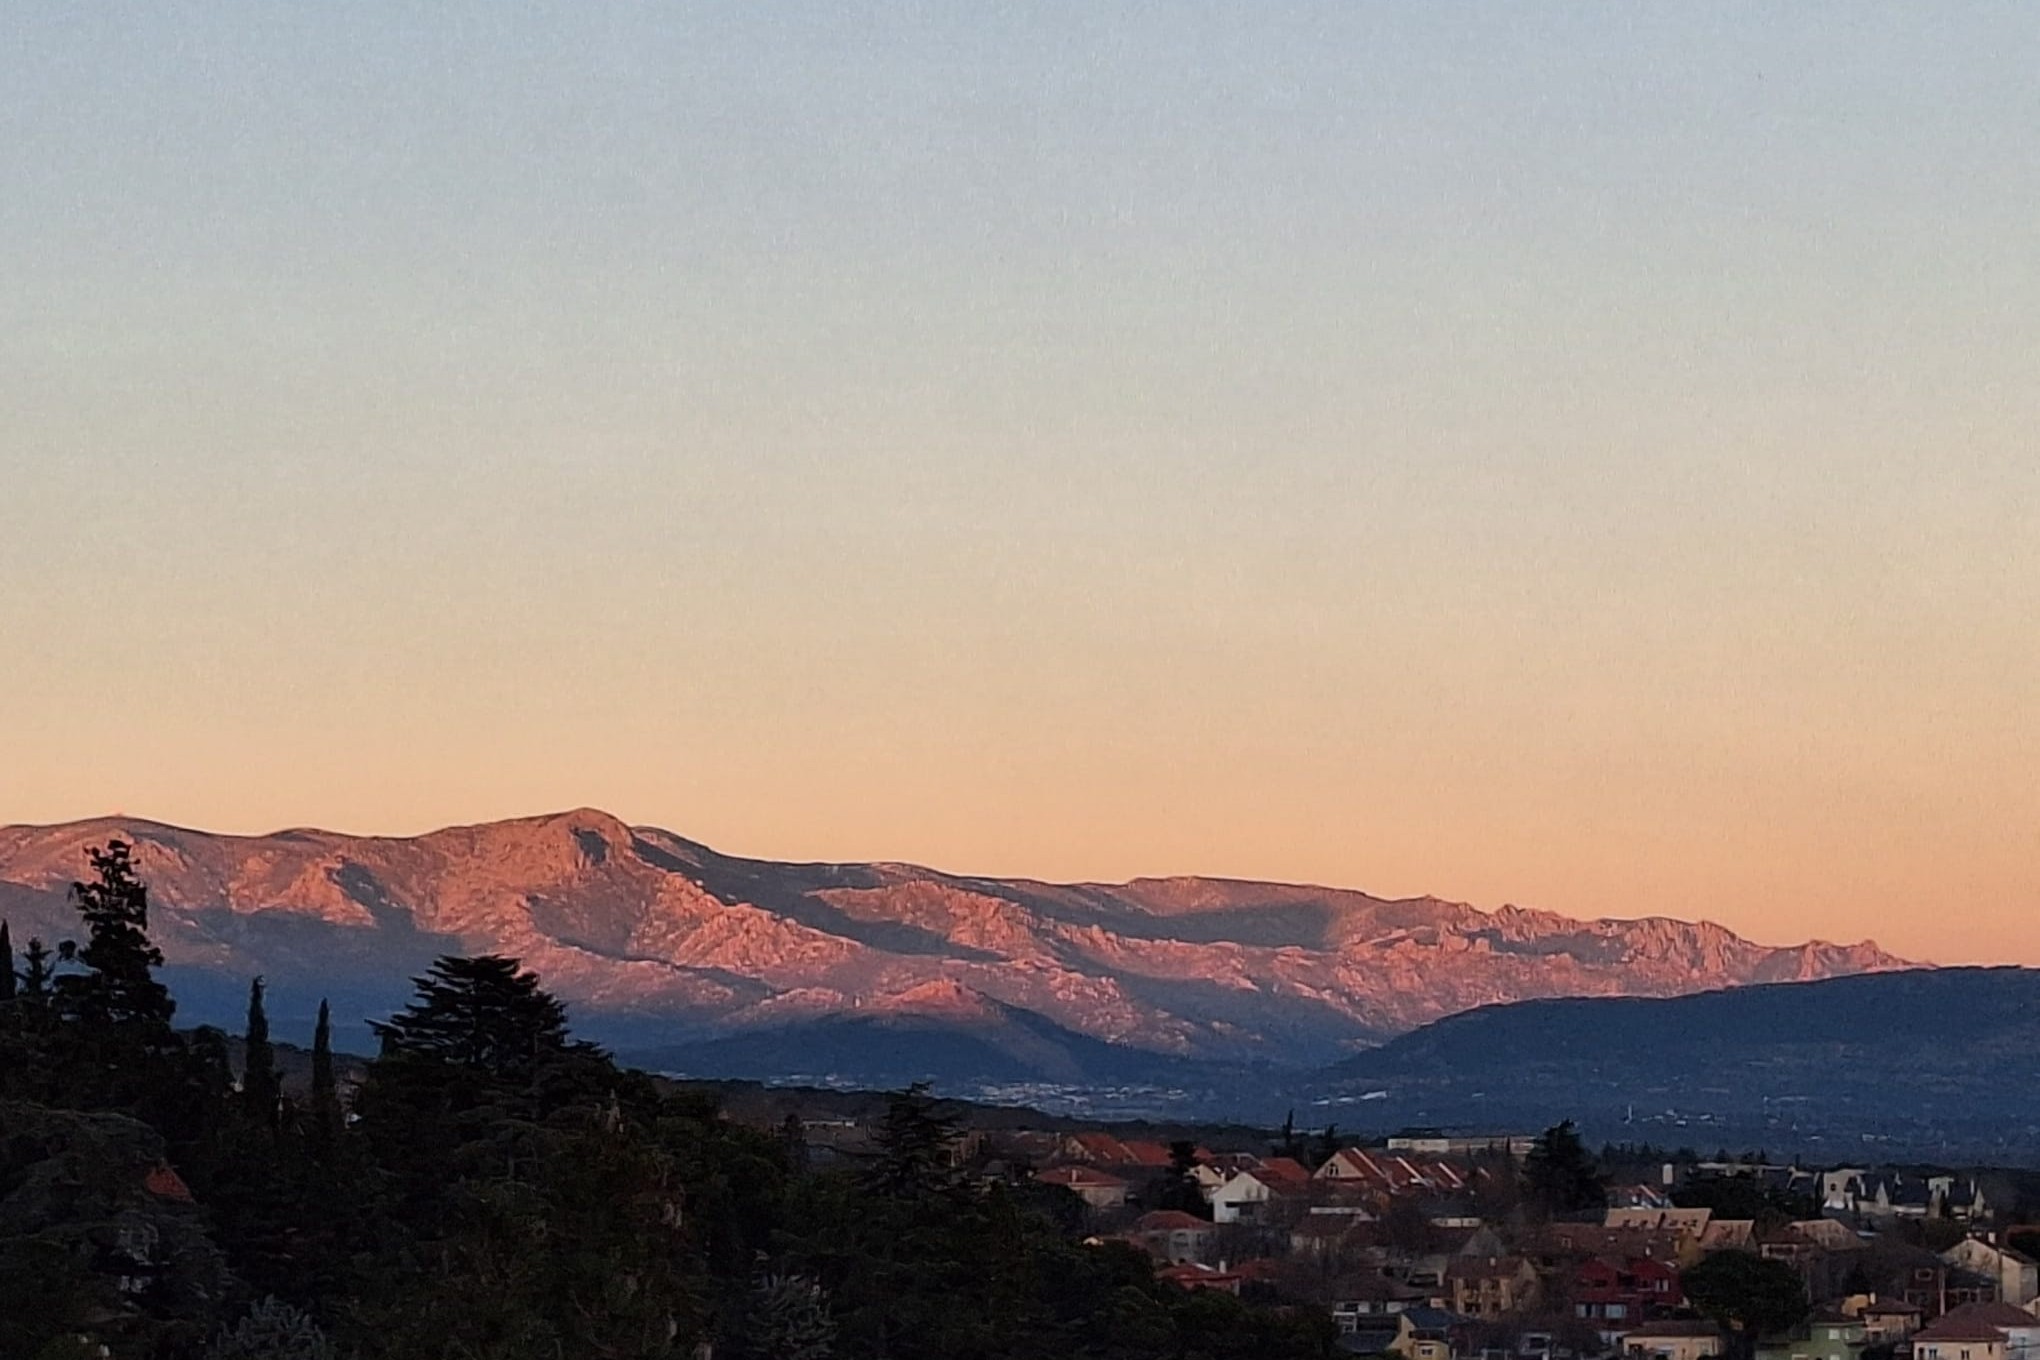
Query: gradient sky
{"type": "Point", "coordinates": [1584, 456]}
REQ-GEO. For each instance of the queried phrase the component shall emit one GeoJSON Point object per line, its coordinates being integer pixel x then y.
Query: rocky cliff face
{"type": "Point", "coordinates": [638, 922]}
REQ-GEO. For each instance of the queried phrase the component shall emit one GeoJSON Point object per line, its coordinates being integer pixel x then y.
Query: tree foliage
{"type": "Point", "coordinates": [1750, 1295]}
{"type": "Point", "coordinates": [1560, 1176]}
{"type": "Point", "coordinates": [492, 1189]}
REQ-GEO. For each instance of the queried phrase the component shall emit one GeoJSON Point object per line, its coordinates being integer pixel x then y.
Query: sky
{"type": "Point", "coordinates": [1585, 456]}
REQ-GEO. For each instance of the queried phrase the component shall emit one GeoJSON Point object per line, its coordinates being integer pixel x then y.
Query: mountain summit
{"type": "Point", "coordinates": [676, 940]}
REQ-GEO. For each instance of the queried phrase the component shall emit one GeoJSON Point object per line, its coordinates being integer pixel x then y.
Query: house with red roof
{"type": "Point", "coordinates": [1099, 1189]}
{"type": "Point", "coordinates": [1191, 1275]}
{"type": "Point", "coordinates": [1097, 1149]}
{"type": "Point", "coordinates": [1147, 1154]}
{"type": "Point", "coordinates": [1173, 1236]}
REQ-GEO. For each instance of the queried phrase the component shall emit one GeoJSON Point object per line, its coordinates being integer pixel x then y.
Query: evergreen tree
{"type": "Point", "coordinates": [1291, 1144]}
{"type": "Point", "coordinates": [120, 989]}
{"type": "Point", "coordinates": [915, 1146]}
{"type": "Point", "coordinates": [326, 1117]}
{"type": "Point", "coordinates": [1176, 1189]}
{"type": "Point", "coordinates": [272, 1330]}
{"type": "Point", "coordinates": [793, 1137]}
{"type": "Point", "coordinates": [37, 972]}
{"type": "Point", "coordinates": [1560, 1175]}
{"type": "Point", "coordinates": [480, 1012]}
{"type": "Point", "coordinates": [261, 1087]}
{"type": "Point", "coordinates": [788, 1319]}
{"type": "Point", "coordinates": [7, 978]}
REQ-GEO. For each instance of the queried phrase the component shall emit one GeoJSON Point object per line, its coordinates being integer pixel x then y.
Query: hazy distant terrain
{"type": "Point", "coordinates": [663, 944]}
{"type": "Point", "coordinates": [1929, 1062]}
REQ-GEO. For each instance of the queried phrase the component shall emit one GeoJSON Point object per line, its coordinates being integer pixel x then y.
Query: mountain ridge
{"type": "Point", "coordinates": [645, 924]}
{"type": "Point", "coordinates": [1938, 1061]}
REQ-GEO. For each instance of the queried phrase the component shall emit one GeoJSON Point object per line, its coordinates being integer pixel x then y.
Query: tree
{"type": "Point", "coordinates": [272, 1330]}
{"type": "Point", "coordinates": [325, 1112]}
{"type": "Point", "coordinates": [1560, 1174]}
{"type": "Point", "coordinates": [7, 978]}
{"type": "Point", "coordinates": [1175, 1189]}
{"type": "Point", "coordinates": [1750, 1295]}
{"type": "Point", "coordinates": [38, 973]}
{"type": "Point", "coordinates": [1292, 1142]}
{"type": "Point", "coordinates": [915, 1143]}
{"type": "Point", "coordinates": [261, 1088]}
{"type": "Point", "coordinates": [793, 1138]}
{"type": "Point", "coordinates": [788, 1319]}
{"type": "Point", "coordinates": [119, 990]}
{"type": "Point", "coordinates": [482, 1012]}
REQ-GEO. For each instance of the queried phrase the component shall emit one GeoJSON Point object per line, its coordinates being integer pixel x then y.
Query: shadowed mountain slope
{"type": "Point", "coordinates": [1942, 1061]}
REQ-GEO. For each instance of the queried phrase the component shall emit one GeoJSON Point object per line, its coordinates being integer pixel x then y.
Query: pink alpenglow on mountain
{"type": "Point", "coordinates": [639, 921]}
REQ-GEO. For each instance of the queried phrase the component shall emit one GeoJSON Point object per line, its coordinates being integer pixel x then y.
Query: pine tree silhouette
{"type": "Point", "coordinates": [261, 1088]}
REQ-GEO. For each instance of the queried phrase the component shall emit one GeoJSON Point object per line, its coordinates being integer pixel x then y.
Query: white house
{"type": "Point", "coordinates": [1243, 1199]}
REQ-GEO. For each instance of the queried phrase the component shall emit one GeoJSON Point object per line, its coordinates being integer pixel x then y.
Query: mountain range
{"type": "Point", "coordinates": [1939, 1063]}
{"type": "Point", "coordinates": [668, 948]}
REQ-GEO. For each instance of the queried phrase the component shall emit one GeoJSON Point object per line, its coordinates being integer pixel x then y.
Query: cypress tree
{"type": "Point", "coordinates": [325, 1091]}
{"type": "Point", "coordinates": [35, 978]}
{"type": "Point", "coordinates": [260, 1087]}
{"type": "Point", "coordinates": [7, 980]}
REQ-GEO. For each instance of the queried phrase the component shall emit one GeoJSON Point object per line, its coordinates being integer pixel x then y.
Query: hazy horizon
{"type": "Point", "coordinates": [1581, 457]}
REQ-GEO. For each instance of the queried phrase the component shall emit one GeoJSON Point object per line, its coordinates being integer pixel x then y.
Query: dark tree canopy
{"type": "Point", "coordinates": [119, 988]}
{"type": "Point", "coordinates": [916, 1147]}
{"type": "Point", "coordinates": [1750, 1295]}
{"type": "Point", "coordinates": [491, 1189]}
{"type": "Point", "coordinates": [1560, 1176]}
{"type": "Point", "coordinates": [483, 1012]}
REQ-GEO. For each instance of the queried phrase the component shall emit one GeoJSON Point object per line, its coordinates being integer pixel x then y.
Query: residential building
{"type": "Point", "coordinates": [1687, 1222]}
{"type": "Point", "coordinates": [2021, 1329]}
{"type": "Point", "coordinates": [1615, 1296]}
{"type": "Point", "coordinates": [1425, 1334]}
{"type": "Point", "coordinates": [1674, 1339]}
{"type": "Point", "coordinates": [1195, 1276]}
{"type": "Point", "coordinates": [1435, 1143]}
{"type": "Point", "coordinates": [1491, 1286]}
{"type": "Point", "coordinates": [1887, 1321]}
{"type": "Point", "coordinates": [2017, 1274]}
{"type": "Point", "coordinates": [1826, 1336]}
{"type": "Point", "coordinates": [1173, 1236]}
{"type": "Point", "coordinates": [1242, 1199]}
{"type": "Point", "coordinates": [1958, 1339]}
{"type": "Point", "coordinates": [1099, 1189]}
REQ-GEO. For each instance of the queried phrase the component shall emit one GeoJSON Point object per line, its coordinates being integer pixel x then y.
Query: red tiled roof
{"type": "Point", "coordinates": [1074, 1176]}
{"type": "Point", "coordinates": [1200, 1277]}
{"type": "Point", "coordinates": [164, 1181]}
{"type": "Point", "coordinates": [1102, 1147]}
{"type": "Point", "coordinates": [1145, 1153]}
{"type": "Point", "coordinates": [2003, 1315]}
{"type": "Point", "coordinates": [1169, 1220]}
{"type": "Point", "coordinates": [1952, 1328]}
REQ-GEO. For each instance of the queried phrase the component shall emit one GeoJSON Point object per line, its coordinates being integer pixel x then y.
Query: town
{"type": "Point", "coordinates": [1429, 1245]}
